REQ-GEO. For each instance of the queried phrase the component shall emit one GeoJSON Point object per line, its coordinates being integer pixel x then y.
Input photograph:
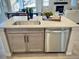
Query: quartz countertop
{"type": "Point", "coordinates": [65, 22]}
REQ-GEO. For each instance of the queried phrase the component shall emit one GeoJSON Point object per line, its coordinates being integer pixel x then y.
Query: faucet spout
{"type": "Point", "coordinates": [28, 18]}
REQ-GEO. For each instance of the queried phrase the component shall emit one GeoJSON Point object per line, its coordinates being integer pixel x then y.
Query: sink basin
{"type": "Point", "coordinates": [27, 23]}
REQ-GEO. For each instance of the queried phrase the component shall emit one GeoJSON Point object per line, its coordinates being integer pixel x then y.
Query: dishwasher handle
{"type": "Point", "coordinates": [57, 31]}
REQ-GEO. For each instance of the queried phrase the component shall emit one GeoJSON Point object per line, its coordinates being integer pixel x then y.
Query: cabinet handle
{"type": "Point", "coordinates": [27, 39]}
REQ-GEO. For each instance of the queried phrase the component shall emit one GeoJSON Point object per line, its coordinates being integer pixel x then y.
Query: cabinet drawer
{"type": "Point", "coordinates": [24, 30]}
{"type": "Point", "coordinates": [35, 34]}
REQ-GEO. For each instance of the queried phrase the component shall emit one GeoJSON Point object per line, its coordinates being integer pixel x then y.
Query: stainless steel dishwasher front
{"type": "Point", "coordinates": [56, 40]}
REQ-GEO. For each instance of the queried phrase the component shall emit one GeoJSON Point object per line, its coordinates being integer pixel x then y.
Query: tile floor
{"type": "Point", "coordinates": [43, 56]}
{"type": "Point", "coordinates": [47, 57]}
{"type": "Point", "coordinates": [75, 55]}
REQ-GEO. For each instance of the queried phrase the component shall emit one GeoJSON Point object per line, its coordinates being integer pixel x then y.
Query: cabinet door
{"type": "Point", "coordinates": [35, 42]}
{"type": "Point", "coordinates": [17, 42]}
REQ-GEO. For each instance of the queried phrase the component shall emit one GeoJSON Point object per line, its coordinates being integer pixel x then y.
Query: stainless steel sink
{"type": "Point", "coordinates": [27, 23]}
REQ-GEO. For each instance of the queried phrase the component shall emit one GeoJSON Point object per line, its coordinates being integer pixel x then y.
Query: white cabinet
{"type": "Point", "coordinates": [17, 42]}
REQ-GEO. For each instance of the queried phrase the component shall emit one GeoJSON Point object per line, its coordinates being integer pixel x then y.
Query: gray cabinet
{"type": "Point", "coordinates": [26, 41]}
{"type": "Point", "coordinates": [35, 42]}
{"type": "Point", "coordinates": [17, 42]}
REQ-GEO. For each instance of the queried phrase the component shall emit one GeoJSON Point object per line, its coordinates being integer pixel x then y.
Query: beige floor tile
{"type": "Point", "coordinates": [56, 57]}
{"type": "Point", "coordinates": [42, 56]}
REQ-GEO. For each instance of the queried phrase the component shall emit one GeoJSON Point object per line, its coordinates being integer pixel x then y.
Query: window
{"type": "Point", "coordinates": [74, 3]}
{"type": "Point", "coordinates": [21, 4]}
{"type": "Point", "coordinates": [29, 3]}
{"type": "Point", "coordinates": [15, 5]}
{"type": "Point", "coordinates": [45, 2]}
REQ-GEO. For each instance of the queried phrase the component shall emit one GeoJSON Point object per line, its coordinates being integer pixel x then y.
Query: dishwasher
{"type": "Point", "coordinates": [56, 40]}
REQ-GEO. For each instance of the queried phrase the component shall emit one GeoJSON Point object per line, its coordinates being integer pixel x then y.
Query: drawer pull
{"type": "Point", "coordinates": [27, 39]}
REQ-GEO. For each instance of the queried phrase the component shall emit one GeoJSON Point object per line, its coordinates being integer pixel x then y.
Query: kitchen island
{"type": "Point", "coordinates": [8, 26]}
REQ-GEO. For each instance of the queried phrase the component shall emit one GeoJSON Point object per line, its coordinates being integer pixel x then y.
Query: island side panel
{"type": "Point", "coordinates": [4, 40]}
{"type": "Point", "coordinates": [70, 44]}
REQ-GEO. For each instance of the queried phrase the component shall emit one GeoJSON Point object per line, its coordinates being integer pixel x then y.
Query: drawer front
{"type": "Point", "coordinates": [24, 30]}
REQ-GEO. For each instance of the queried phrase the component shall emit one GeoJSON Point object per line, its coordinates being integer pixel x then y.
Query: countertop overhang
{"type": "Point", "coordinates": [64, 23]}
